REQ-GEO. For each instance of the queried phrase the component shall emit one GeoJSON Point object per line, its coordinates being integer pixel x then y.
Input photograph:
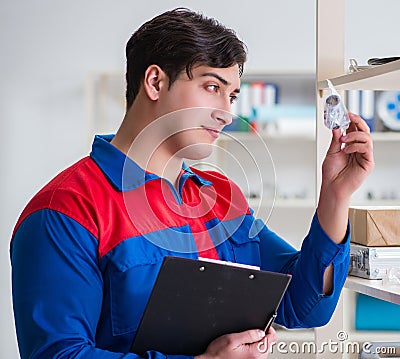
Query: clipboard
{"type": "Point", "coordinates": [195, 301]}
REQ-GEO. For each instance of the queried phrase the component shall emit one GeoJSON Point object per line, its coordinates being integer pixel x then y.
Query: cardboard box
{"type": "Point", "coordinates": [375, 226]}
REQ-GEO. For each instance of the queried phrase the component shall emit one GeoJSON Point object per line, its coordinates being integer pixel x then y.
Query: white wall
{"type": "Point", "coordinates": [48, 47]}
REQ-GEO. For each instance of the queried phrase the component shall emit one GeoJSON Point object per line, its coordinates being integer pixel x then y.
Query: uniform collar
{"type": "Point", "coordinates": [124, 173]}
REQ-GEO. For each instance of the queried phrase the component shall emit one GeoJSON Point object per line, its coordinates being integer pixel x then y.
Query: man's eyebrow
{"type": "Point", "coordinates": [221, 79]}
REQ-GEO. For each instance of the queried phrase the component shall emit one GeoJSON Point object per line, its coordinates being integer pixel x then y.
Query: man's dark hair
{"type": "Point", "coordinates": [177, 40]}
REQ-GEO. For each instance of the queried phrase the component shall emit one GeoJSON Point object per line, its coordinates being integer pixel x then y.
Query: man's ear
{"type": "Point", "coordinates": [154, 80]}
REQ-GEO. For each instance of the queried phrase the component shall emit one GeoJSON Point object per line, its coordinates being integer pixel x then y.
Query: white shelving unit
{"type": "Point", "coordinates": [330, 65]}
{"type": "Point", "coordinates": [374, 288]}
{"type": "Point", "coordinates": [386, 136]}
{"type": "Point", "coordinates": [382, 77]}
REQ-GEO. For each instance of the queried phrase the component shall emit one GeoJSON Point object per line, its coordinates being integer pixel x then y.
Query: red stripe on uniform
{"type": "Point", "coordinates": [83, 193]}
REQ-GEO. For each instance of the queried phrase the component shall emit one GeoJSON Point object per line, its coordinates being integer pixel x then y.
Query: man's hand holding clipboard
{"type": "Point", "coordinates": [253, 343]}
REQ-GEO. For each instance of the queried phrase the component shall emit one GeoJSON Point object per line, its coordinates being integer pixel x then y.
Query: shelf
{"type": "Point", "coordinates": [273, 75]}
{"type": "Point", "coordinates": [382, 77]}
{"type": "Point", "coordinates": [310, 203]}
{"type": "Point", "coordinates": [251, 136]}
{"type": "Point", "coordinates": [374, 288]}
{"type": "Point", "coordinates": [298, 335]}
{"type": "Point", "coordinates": [287, 73]}
{"type": "Point", "coordinates": [373, 336]}
{"type": "Point", "coordinates": [375, 202]}
{"type": "Point", "coordinates": [301, 335]}
{"type": "Point", "coordinates": [282, 203]}
{"type": "Point", "coordinates": [386, 136]}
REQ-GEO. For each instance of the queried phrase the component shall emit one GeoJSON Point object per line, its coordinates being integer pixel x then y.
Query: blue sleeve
{"type": "Point", "coordinates": [304, 304]}
{"type": "Point", "coordinates": [58, 289]}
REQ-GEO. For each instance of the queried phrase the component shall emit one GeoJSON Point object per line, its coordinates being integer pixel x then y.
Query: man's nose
{"type": "Point", "coordinates": [223, 117]}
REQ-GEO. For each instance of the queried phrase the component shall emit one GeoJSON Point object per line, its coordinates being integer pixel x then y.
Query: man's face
{"type": "Point", "coordinates": [194, 111]}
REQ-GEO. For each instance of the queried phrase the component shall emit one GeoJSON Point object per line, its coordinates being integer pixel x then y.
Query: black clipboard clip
{"type": "Point", "coordinates": [270, 321]}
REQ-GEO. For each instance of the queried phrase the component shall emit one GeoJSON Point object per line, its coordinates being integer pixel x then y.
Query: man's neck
{"type": "Point", "coordinates": [143, 145]}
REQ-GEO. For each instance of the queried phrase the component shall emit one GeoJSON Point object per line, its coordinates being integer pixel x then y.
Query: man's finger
{"type": "Point", "coordinates": [246, 337]}
{"type": "Point", "coordinates": [360, 124]}
{"type": "Point", "coordinates": [271, 336]}
{"type": "Point", "coordinates": [335, 142]}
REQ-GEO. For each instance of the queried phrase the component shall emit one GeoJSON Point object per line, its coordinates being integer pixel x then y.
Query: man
{"type": "Point", "coordinates": [87, 248]}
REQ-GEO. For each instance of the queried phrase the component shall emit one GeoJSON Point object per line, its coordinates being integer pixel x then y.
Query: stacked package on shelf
{"type": "Point", "coordinates": [259, 109]}
{"type": "Point", "coordinates": [375, 240]}
{"type": "Point", "coordinates": [271, 117]}
{"type": "Point", "coordinates": [262, 94]}
{"type": "Point", "coordinates": [375, 254]}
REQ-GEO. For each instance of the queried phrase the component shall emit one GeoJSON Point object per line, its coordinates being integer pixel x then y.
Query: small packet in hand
{"type": "Point", "coordinates": [335, 113]}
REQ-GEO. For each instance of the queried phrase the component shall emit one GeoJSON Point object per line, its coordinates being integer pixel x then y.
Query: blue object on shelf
{"type": "Point", "coordinates": [376, 314]}
{"type": "Point", "coordinates": [388, 109]}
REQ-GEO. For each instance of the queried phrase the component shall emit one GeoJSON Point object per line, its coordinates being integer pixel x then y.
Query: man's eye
{"type": "Point", "coordinates": [213, 88]}
{"type": "Point", "coordinates": [233, 99]}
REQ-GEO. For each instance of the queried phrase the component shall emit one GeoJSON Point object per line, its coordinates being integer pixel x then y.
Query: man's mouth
{"type": "Point", "coordinates": [213, 132]}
